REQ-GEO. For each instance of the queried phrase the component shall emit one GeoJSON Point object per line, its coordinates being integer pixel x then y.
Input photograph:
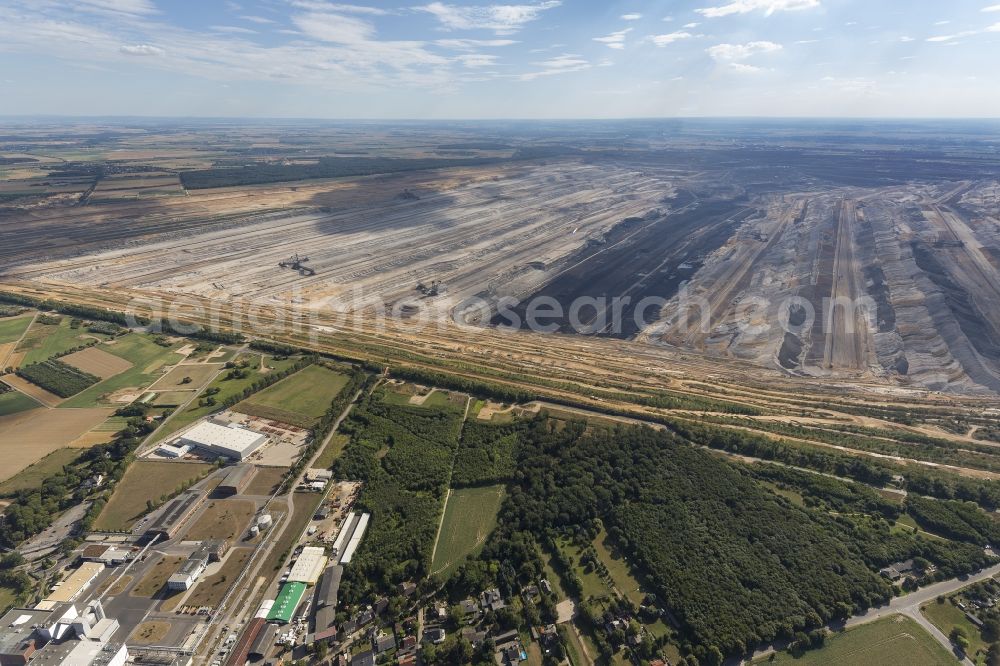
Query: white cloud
{"type": "Point", "coordinates": [691, 26]}
{"type": "Point", "coordinates": [477, 60]}
{"type": "Point", "coordinates": [616, 40]}
{"type": "Point", "coordinates": [133, 7]}
{"type": "Point", "coordinates": [472, 44]}
{"type": "Point", "coordinates": [256, 19]}
{"type": "Point", "coordinates": [991, 8]}
{"type": "Point", "coordinates": [994, 28]}
{"type": "Point", "coordinates": [334, 28]}
{"type": "Point", "coordinates": [767, 6]}
{"type": "Point", "coordinates": [957, 35]}
{"type": "Point", "coordinates": [631, 17]}
{"type": "Point", "coordinates": [737, 52]}
{"type": "Point", "coordinates": [942, 22]}
{"type": "Point", "coordinates": [732, 56]}
{"type": "Point", "coordinates": [563, 64]}
{"type": "Point", "coordinates": [236, 30]}
{"type": "Point", "coordinates": [669, 38]}
{"type": "Point", "coordinates": [906, 38]}
{"type": "Point", "coordinates": [141, 50]}
{"type": "Point", "coordinates": [502, 19]}
{"type": "Point", "coordinates": [323, 6]}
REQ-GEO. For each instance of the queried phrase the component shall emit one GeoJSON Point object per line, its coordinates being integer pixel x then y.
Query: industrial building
{"type": "Point", "coordinates": [354, 540]}
{"type": "Point", "coordinates": [105, 554]}
{"type": "Point", "coordinates": [288, 600]}
{"type": "Point", "coordinates": [168, 451]}
{"type": "Point", "coordinates": [229, 441]}
{"type": "Point", "coordinates": [264, 642]}
{"type": "Point", "coordinates": [236, 480]}
{"type": "Point", "coordinates": [241, 651]}
{"type": "Point", "coordinates": [308, 566]}
{"type": "Point", "coordinates": [329, 586]}
{"type": "Point", "coordinates": [190, 571]}
{"type": "Point", "coordinates": [78, 581]}
{"type": "Point", "coordinates": [176, 514]}
{"type": "Point", "coordinates": [60, 637]}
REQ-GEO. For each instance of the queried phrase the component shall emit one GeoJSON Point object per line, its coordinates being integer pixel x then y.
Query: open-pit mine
{"type": "Point", "coordinates": [841, 259]}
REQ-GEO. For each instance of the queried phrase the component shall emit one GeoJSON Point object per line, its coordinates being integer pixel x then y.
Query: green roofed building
{"type": "Point", "coordinates": [286, 603]}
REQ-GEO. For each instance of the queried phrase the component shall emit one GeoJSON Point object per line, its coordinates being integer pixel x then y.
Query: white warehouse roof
{"type": "Point", "coordinates": [233, 439]}
{"type": "Point", "coordinates": [308, 566]}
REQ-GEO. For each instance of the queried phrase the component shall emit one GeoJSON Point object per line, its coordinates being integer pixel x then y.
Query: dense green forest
{"type": "Point", "coordinates": [956, 520]}
{"type": "Point", "coordinates": [736, 563]}
{"type": "Point", "coordinates": [486, 454]}
{"type": "Point", "coordinates": [404, 454]}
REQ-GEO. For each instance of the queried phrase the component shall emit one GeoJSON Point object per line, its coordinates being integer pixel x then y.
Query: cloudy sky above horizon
{"type": "Point", "coordinates": [528, 59]}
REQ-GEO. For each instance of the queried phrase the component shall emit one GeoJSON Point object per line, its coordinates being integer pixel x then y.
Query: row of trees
{"type": "Point", "coordinates": [72, 309]}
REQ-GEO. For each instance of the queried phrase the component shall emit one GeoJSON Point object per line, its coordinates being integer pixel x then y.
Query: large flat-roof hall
{"type": "Point", "coordinates": [230, 441]}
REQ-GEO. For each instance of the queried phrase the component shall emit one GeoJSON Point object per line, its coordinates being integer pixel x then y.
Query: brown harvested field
{"type": "Point", "coordinates": [222, 519]}
{"type": "Point", "coordinates": [265, 480]}
{"type": "Point", "coordinates": [200, 375]}
{"type": "Point", "coordinates": [97, 362]}
{"type": "Point", "coordinates": [30, 390]}
{"type": "Point", "coordinates": [156, 578]}
{"type": "Point", "coordinates": [32, 435]}
{"type": "Point", "coordinates": [209, 591]}
{"type": "Point", "coordinates": [150, 633]}
{"type": "Point", "coordinates": [145, 480]}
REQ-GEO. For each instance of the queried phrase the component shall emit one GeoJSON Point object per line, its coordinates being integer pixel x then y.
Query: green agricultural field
{"type": "Point", "coordinates": [147, 358]}
{"type": "Point", "coordinates": [34, 475]}
{"type": "Point", "coordinates": [13, 328]}
{"type": "Point", "coordinates": [298, 400]}
{"type": "Point", "coordinates": [43, 341]}
{"type": "Point", "coordinates": [14, 402]}
{"type": "Point", "coordinates": [145, 480]}
{"type": "Point", "coordinates": [469, 517]}
{"type": "Point", "coordinates": [892, 641]}
{"type": "Point", "coordinates": [227, 388]}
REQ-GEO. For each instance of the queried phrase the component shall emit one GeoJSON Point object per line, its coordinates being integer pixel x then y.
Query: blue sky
{"type": "Point", "coordinates": [527, 59]}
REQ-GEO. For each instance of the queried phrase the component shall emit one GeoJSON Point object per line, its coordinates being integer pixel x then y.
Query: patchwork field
{"type": "Point", "coordinates": [36, 393]}
{"type": "Point", "coordinates": [30, 436]}
{"type": "Point", "coordinates": [227, 388]}
{"type": "Point", "coordinates": [469, 517]}
{"type": "Point", "coordinates": [892, 641]}
{"type": "Point", "coordinates": [146, 360]}
{"type": "Point", "coordinates": [42, 341]}
{"type": "Point", "coordinates": [298, 400]}
{"type": "Point", "coordinates": [145, 480]}
{"type": "Point", "coordinates": [97, 362]}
